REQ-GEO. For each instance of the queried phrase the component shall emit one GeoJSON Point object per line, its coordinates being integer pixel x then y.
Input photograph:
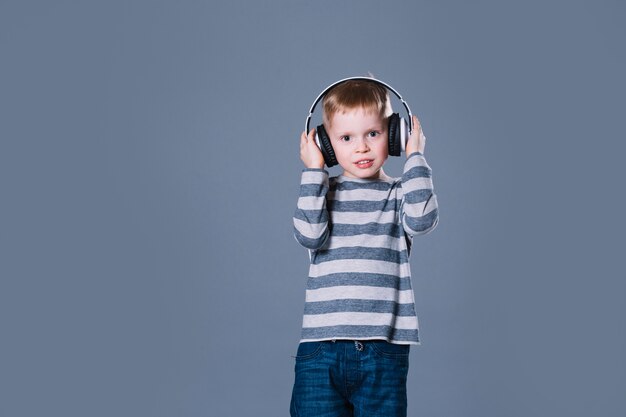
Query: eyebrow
{"type": "Point", "coordinates": [376, 128]}
{"type": "Point", "coordinates": [370, 129]}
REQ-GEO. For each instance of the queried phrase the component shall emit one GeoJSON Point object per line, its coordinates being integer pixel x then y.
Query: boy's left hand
{"type": "Point", "coordinates": [417, 140]}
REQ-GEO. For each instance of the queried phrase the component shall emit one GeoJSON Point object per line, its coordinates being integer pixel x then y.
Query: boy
{"type": "Point", "coordinates": [359, 316]}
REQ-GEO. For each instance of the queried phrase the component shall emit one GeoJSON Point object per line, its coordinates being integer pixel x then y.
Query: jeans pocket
{"type": "Point", "coordinates": [308, 351]}
{"type": "Point", "coordinates": [390, 350]}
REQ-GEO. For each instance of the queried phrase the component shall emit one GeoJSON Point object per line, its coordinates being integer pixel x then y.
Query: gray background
{"type": "Point", "coordinates": [149, 170]}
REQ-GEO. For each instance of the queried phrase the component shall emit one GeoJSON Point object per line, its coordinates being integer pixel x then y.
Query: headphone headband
{"type": "Point", "coordinates": [387, 86]}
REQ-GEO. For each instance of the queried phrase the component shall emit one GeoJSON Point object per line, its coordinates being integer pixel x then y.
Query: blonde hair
{"type": "Point", "coordinates": [353, 94]}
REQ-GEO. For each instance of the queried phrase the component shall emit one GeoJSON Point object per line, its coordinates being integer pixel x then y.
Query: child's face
{"type": "Point", "coordinates": [359, 139]}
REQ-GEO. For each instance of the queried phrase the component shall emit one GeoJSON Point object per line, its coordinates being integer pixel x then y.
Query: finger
{"type": "Point", "coordinates": [312, 134]}
{"type": "Point", "coordinates": [303, 139]}
{"type": "Point", "coordinates": [416, 123]}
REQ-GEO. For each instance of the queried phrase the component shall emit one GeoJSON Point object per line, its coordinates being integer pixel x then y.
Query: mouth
{"type": "Point", "coordinates": [364, 163]}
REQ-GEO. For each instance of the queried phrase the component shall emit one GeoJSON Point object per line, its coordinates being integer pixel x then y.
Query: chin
{"type": "Point", "coordinates": [370, 175]}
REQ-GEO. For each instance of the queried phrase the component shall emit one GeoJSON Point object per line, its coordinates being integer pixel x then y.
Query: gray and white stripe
{"type": "Point", "coordinates": [359, 233]}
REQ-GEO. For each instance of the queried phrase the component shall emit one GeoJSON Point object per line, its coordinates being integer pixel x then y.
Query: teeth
{"type": "Point", "coordinates": [364, 162]}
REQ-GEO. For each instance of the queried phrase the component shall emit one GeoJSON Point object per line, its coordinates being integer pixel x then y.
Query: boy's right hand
{"type": "Point", "coordinates": [309, 151]}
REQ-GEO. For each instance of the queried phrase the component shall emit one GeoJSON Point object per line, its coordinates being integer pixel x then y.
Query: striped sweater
{"type": "Point", "coordinates": [359, 234]}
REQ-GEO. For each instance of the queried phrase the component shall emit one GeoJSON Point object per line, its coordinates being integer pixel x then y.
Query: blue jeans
{"type": "Point", "coordinates": [350, 378]}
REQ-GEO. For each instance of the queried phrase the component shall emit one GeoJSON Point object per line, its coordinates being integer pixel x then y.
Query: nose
{"type": "Point", "coordinates": [362, 146]}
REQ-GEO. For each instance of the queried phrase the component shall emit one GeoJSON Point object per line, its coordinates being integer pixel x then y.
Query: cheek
{"type": "Point", "coordinates": [341, 152]}
{"type": "Point", "coordinates": [382, 148]}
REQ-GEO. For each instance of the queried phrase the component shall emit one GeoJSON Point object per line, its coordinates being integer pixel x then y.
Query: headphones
{"type": "Point", "coordinates": [398, 130]}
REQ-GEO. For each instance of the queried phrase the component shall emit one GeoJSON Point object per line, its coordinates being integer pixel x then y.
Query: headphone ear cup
{"type": "Point", "coordinates": [323, 141]}
{"type": "Point", "coordinates": [394, 135]}
{"type": "Point", "coordinates": [404, 133]}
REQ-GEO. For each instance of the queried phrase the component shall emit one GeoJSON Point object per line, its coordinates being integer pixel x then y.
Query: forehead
{"type": "Point", "coordinates": [356, 117]}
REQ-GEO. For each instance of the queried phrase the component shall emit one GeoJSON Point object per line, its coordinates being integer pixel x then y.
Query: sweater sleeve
{"type": "Point", "coordinates": [419, 211]}
{"type": "Point", "coordinates": [310, 220]}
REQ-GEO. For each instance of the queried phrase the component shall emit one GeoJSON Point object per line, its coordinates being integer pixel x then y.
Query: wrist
{"type": "Point", "coordinates": [315, 165]}
{"type": "Point", "coordinates": [408, 155]}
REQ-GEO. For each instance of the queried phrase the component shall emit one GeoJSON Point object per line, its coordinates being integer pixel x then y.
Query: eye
{"type": "Point", "coordinates": [373, 134]}
{"type": "Point", "coordinates": [344, 138]}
